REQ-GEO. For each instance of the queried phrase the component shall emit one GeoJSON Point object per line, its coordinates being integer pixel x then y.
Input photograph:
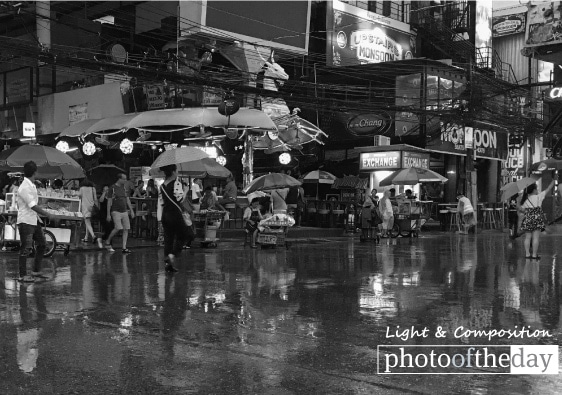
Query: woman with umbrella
{"type": "Point", "coordinates": [533, 222]}
{"type": "Point", "coordinates": [176, 231]}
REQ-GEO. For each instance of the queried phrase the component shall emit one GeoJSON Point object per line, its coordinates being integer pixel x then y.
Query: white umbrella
{"type": "Point", "coordinates": [319, 177]}
{"type": "Point", "coordinates": [178, 156]}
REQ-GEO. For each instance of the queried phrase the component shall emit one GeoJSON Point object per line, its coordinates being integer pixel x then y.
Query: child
{"type": "Point", "coordinates": [252, 216]}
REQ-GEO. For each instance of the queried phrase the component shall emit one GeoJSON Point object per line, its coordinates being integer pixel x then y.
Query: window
{"type": "Point", "coordinates": [386, 7]}
{"type": "Point", "coordinates": [372, 6]}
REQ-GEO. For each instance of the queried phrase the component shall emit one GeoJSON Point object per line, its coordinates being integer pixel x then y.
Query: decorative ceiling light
{"type": "Point", "coordinates": [221, 160]}
{"type": "Point", "coordinates": [126, 146]}
{"type": "Point", "coordinates": [89, 148]}
{"type": "Point", "coordinates": [285, 158]}
{"type": "Point", "coordinates": [273, 135]}
{"type": "Point", "coordinates": [63, 146]}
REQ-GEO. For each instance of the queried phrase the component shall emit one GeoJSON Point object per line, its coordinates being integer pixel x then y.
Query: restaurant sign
{"type": "Point", "coordinates": [392, 160]}
{"type": "Point", "coordinates": [487, 144]}
{"type": "Point", "coordinates": [508, 24]}
{"type": "Point", "coordinates": [365, 125]}
{"type": "Point", "coordinates": [553, 94]}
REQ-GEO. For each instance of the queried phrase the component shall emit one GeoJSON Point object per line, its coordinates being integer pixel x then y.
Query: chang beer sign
{"type": "Point", "coordinates": [487, 143]}
{"type": "Point", "coordinates": [375, 46]}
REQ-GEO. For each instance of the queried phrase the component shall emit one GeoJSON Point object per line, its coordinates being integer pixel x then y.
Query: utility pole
{"type": "Point", "coordinates": [470, 180]}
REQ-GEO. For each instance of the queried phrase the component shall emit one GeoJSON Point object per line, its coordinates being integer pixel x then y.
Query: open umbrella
{"type": "Point", "coordinates": [104, 174]}
{"type": "Point", "coordinates": [173, 119]}
{"type": "Point", "coordinates": [271, 181]}
{"type": "Point", "coordinates": [178, 156]}
{"type": "Point", "coordinates": [547, 164]}
{"type": "Point", "coordinates": [513, 188]}
{"type": "Point", "coordinates": [51, 163]}
{"type": "Point", "coordinates": [319, 177]}
{"type": "Point", "coordinates": [412, 176]}
{"type": "Point", "coordinates": [203, 168]}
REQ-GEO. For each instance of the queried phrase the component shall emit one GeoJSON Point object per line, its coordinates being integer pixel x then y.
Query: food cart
{"type": "Point", "coordinates": [410, 216]}
{"type": "Point", "coordinates": [60, 233]}
{"type": "Point", "coordinates": [207, 225]}
{"type": "Point", "coordinates": [273, 230]}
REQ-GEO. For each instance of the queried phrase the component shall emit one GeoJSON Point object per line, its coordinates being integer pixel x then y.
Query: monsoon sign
{"type": "Point", "coordinates": [487, 143]}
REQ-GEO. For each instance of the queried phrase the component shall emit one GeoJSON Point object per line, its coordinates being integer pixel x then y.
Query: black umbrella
{"type": "Point", "coordinates": [104, 174]}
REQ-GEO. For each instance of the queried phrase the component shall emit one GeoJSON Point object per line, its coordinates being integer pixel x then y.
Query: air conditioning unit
{"type": "Point", "coordinates": [381, 140]}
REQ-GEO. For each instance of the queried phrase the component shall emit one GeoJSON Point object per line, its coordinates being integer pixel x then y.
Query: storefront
{"type": "Point", "coordinates": [490, 149]}
{"type": "Point", "coordinates": [381, 161]}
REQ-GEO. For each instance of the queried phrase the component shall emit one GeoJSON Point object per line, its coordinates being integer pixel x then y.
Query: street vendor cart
{"type": "Point", "coordinates": [207, 224]}
{"type": "Point", "coordinates": [273, 230]}
{"type": "Point", "coordinates": [60, 233]}
{"type": "Point", "coordinates": [410, 217]}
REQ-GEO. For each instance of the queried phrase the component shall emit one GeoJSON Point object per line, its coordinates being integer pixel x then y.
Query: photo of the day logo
{"type": "Point", "coordinates": [477, 359]}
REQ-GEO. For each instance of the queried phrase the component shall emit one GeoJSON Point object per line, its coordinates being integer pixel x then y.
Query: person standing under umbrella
{"type": "Point", "coordinates": [29, 223]}
{"type": "Point", "coordinates": [176, 231]}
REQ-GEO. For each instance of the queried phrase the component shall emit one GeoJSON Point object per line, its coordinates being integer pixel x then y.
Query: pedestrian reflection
{"type": "Point", "coordinates": [173, 309]}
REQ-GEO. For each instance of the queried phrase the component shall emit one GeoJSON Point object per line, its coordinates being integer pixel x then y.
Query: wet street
{"type": "Point", "coordinates": [242, 321]}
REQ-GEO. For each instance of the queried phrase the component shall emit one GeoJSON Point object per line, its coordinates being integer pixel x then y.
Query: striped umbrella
{"type": "Point", "coordinates": [319, 177]}
{"type": "Point", "coordinates": [270, 182]}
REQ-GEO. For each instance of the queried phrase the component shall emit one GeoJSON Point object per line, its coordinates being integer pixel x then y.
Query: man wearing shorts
{"type": "Point", "coordinates": [118, 208]}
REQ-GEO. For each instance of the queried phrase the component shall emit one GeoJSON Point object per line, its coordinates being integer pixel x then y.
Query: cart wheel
{"type": "Point", "coordinates": [51, 243]}
{"type": "Point", "coordinates": [395, 231]}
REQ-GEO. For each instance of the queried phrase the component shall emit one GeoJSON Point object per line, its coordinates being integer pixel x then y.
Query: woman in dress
{"type": "Point", "coordinates": [176, 231]}
{"type": "Point", "coordinates": [89, 199]}
{"type": "Point", "coordinates": [533, 221]}
{"type": "Point", "coordinates": [386, 213]}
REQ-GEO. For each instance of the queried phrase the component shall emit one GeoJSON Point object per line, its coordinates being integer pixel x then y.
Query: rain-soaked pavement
{"type": "Point", "coordinates": [241, 321]}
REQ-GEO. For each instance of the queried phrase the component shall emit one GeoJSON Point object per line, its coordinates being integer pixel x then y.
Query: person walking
{"type": "Point", "coordinates": [533, 221]}
{"type": "Point", "coordinates": [107, 226]}
{"type": "Point", "coordinates": [176, 231]}
{"type": "Point", "coordinates": [89, 205]}
{"type": "Point", "coordinates": [29, 224]}
{"type": "Point", "coordinates": [386, 213]}
{"type": "Point", "coordinates": [196, 193]}
{"type": "Point", "coordinates": [117, 205]}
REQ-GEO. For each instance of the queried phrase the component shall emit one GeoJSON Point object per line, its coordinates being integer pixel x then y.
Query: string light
{"type": "Point", "coordinates": [285, 158]}
{"type": "Point", "coordinates": [221, 160]}
{"type": "Point", "coordinates": [126, 146]}
{"type": "Point", "coordinates": [63, 146]}
{"type": "Point", "coordinates": [89, 148]}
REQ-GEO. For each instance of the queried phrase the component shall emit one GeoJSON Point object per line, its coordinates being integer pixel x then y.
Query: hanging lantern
{"type": "Point", "coordinates": [126, 146]}
{"type": "Point", "coordinates": [285, 158]}
{"type": "Point", "coordinates": [221, 160]}
{"type": "Point", "coordinates": [63, 146]}
{"type": "Point", "coordinates": [89, 148]}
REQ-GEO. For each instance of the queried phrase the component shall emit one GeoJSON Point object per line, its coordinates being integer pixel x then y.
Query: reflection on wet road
{"type": "Point", "coordinates": [303, 320]}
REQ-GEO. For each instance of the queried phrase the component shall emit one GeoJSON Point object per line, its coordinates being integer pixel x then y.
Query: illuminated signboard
{"type": "Point", "coordinates": [362, 37]}
{"type": "Point", "coordinates": [553, 94]}
{"type": "Point", "coordinates": [389, 160]}
{"type": "Point", "coordinates": [392, 160]}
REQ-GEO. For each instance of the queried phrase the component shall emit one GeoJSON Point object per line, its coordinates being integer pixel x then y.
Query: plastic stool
{"type": "Point", "coordinates": [231, 208]}
{"type": "Point", "coordinates": [488, 218]}
{"type": "Point", "coordinates": [454, 220]}
{"type": "Point", "coordinates": [499, 217]}
{"type": "Point", "coordinates": [443, 218]}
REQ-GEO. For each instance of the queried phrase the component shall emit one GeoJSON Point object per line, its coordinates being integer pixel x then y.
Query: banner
{"type": "Point", "coordinates": [487, 144]}
{"type": "Point", "coordinates": [509, 24]}
{"type": "Point", "coordinates": [515, 164]}
{"type": "Point", "coordinates": [362, 37]}
{"type": "Point", "coordinates": [544, 25]}
{"type": "Point", "coordinates": [19, 85]}
{"type": "Point", "coordinates": [155, 97]}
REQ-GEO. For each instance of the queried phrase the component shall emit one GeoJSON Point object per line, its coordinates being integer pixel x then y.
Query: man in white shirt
{"type": "Point", "coordinates": [29, 223]}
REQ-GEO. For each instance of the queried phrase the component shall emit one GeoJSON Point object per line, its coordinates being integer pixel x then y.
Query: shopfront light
{"type": "Point", "coordinates": [126, 146]}
{"type": "Point", "coordinates": [285, 158]}
{"type": "Point", "coordinates": [221, 160]}
{"type": "Point", "coordinates": [89, 148]}
{"type": "Point", "coordinates": [63, 146]}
